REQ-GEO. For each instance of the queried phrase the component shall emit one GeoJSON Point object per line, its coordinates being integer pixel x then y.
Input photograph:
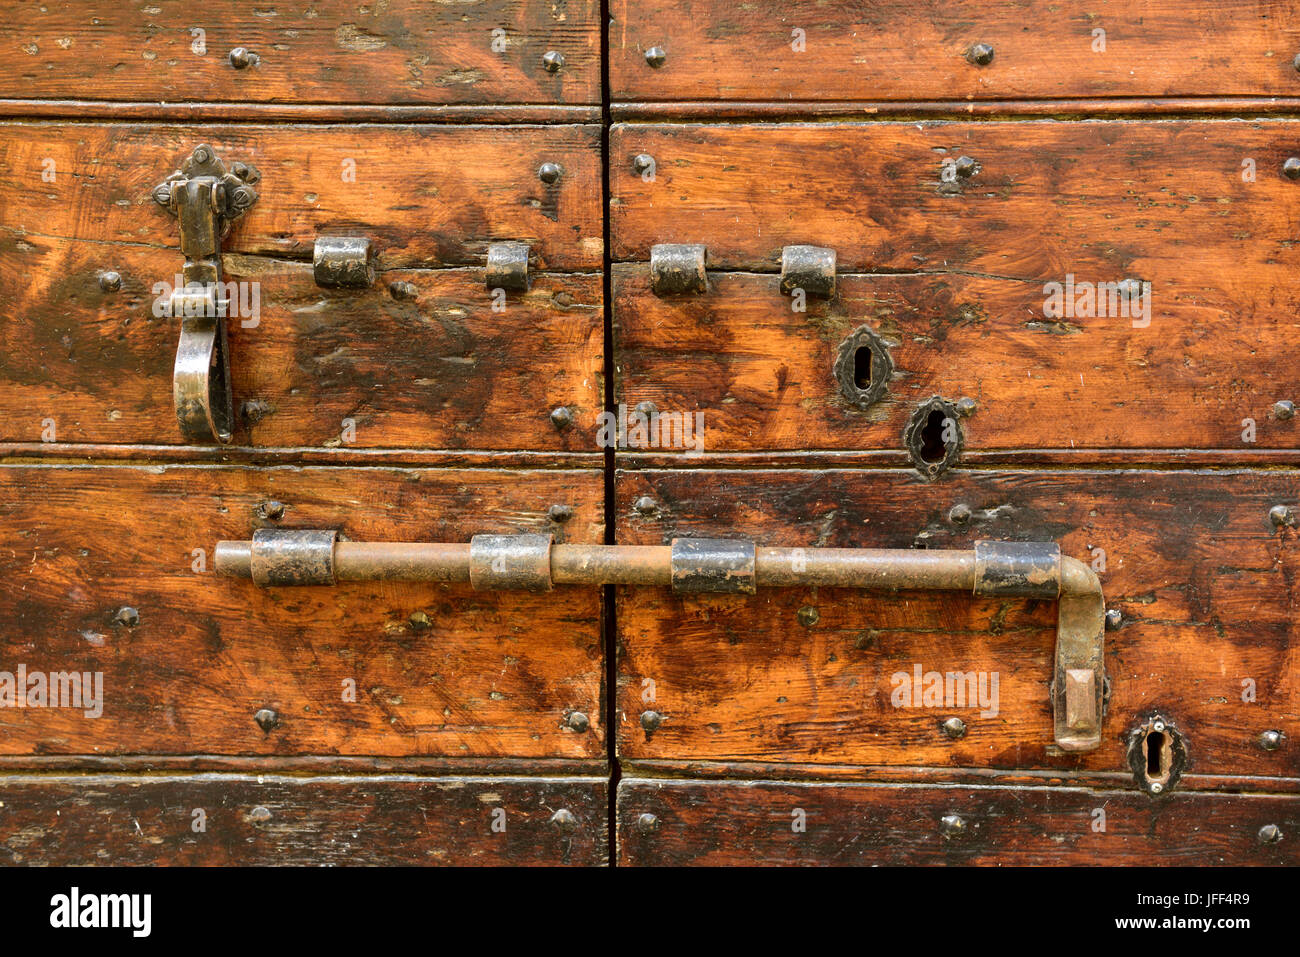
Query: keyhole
{"type": "Point", "coordinates": [862, 359]}
{"type": "Point", "coordinates": [933, 447]}
{"type": "Point", "coordinates": [1155, 745]}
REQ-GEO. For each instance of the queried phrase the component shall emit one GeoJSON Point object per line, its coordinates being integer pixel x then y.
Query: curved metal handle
{"type": "Point", "coordinates": [206, 198]}
{"type": "Point", "coordinates": [277, 557]}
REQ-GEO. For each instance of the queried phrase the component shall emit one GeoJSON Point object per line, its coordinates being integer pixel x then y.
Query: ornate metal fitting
{"type": "Point", "coordinates": [206, 198]}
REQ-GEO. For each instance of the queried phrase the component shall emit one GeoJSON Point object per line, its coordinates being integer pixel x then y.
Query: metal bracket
{"type": "Point", "coordinates": [206, 197]}
{"type": "Point", "coordinates": [810, 268]}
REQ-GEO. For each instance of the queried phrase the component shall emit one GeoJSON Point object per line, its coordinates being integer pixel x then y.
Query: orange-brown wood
{"type": "Point", "coordinates": [740, 823]}
{"type": "Point", "coordinates": [798, 50]}
{"type": "Point", "coordinates": [763, 377]}
{"type": "Point", "coordinates": [245, 820]}
{"type": "Point", "coordinates": [422, 359]}
{"type": "Point", "coordinates": [1202, 576]}
{"type": "Point", "coordinates": [109, 569]}
{"type": "Point", "coordinates": [425, 195]}
{"type": "Point", "coordinates": [1174, 203]}
{"type": "Point", "coordinates": [396, 51]}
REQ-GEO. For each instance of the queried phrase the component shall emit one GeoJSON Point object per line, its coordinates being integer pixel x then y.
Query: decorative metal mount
{"type": "Point", "coordinates": [207, 198]}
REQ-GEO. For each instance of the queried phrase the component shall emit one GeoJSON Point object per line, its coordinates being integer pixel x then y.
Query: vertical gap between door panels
{"type": "Point", "coordinates": [608, 605]}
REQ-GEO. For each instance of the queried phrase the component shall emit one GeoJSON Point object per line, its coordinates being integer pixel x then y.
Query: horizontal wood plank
{"type": "Point", "coordinates": [363, 669]}
{"type": "Point", "coordinates": [1203, 578]}
{"type": "Point", "coordinates": [396, 51]}
{"type": "Point", "coordinates": [1205, 374]}
{"type": "Point", "coordinates": [247, 820]}
{"type": "Point", "coordinates": [806, 50]}
{"type": "Point", "coordinates": [432, 195]}
{"type": "Point", "coordinates": [745, 823]}
{"type": "Point", "coordinates": [422, 359]}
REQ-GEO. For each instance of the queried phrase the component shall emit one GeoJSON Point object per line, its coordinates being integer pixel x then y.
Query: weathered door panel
{"type": "Point", "coordinates": [396, 52]}
{"type": "Point", "coordinates": [112, 573]}
{"type": "Point", "coordinates": [246, 820]}
{"type": "Point", "coordinates": [729, 823]}
{"type": "Point", "coordinates": [1199, 566]}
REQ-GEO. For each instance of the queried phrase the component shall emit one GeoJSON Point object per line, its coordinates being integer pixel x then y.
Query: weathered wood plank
{"type": "Point", "coordinates": [1205, 373]}
{"type": "Point", "coordinates": [754, 822]}
{"type": "Point", "coordinates": [397, 51]}
{"type": "Point", "coordinates": [1168, 202]}
{"type": "Point", "coordinates": [226, 819]}
{"type": "Point", "coordinates": [425, 195]}
{"type": "Point", "coordinates": [901, 49]}
{"type": "Point", "coordinates": [364, 669]}
{"type": "Point", "coordinates": [423, 359]}
{"type": "Point", "coordinates": [1204, 580]}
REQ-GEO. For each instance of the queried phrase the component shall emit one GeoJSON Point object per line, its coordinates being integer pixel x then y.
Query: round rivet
{"type": "Point", "coordinates": [645, 823]}
{"type": "Point", "coordinates": [549, 172]}
{"type": "Point", "coordinates": [959, 514]}
{"type": "Point", "coordinates": [552, 60]}
{"type": "Point", "coordinates": [645, 505]}
{"type": "Point", "coordinates": [1157, 726]}
{"type": "Point", "coordinates": [402, 290]}
{"type": "Point", "coordinates": [952, 826]}
{"type": "Point", "coordinates": [808, 616]}
{"type": "Point", "coordinates": [201, 155]}
{"type": "Point", "coordinates": [1270, 834]}
{"type": "Point", "coordinates": [271, 511]}
{"type": "Point", "coordinates": [267, 719]}
{"type": "Point", "coordinates": [1296, 62]}
{"type": "Point", "coordinates": [642, 162]}
{"type": "Point", "coordinates": [965, 167]}
{"type": "Point", "coordinates": [110, 281]}
{"type": "Point", "coordinates": [560, 513]}
{"type": "Point", "coordinates": [126, 616]}
{"type": "Point", "coordinates": [561, 418]}
{"type": "Point", "coordinates": [258, 815]}
{"type": "Point", "coordinates": [577, 721]}
{"type": "Point", "coordinates": [1279, 515]}
{"type": "Point", "coordinates": [980, 54]}
{"type": "Point", "coordinates": [650, 720]}
{"type": "Point", "coordinates": [1291, 168]}
{"type": "Point", "coordinates": [647, 408]}
{"type": "Point", "coordinates": [656, 56]}
{"type": "Point", "coordinates": [1156, 787]}
{"type": "Point", "coordinates": [1283, 409]}
{"type": "Point", "coordinates": [241, 59]}
{"type": "Point", "coordinates": [564, 819]}
{"type": "Point", "coordinates": [966, 407]}
{"type": "Point", "coordinates": [1271, 740]}
{"type": "Point", "coordinates": [1114, 618]}
{"type": "Point", "coordinates": [954, 728]}
{"type": "Point", "coordinates": [419, 621]}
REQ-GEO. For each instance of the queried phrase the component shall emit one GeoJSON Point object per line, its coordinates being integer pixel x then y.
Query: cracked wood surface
{"type": "Point", "coordinates": [394, 52]}
{"type": "Point", "coordinates": [1204, 580]}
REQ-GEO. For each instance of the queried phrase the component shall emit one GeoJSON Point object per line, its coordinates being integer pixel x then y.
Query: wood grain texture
{"type": "Point", "coordinates": [764, 378]}
{"type": "Point", "coordinates": [1164, 202]}
{"type": "Point", "coordinates": [430, 366]}
{"type": "Point", "coordinates": [1205, 582]}
{"type": "Point", "coordinates": [735, 823]}
{"type": "Point", "coordinates": [397, 51]}
{"type": "Point", "coordinates": [897, 50]}
{"type": "Point", "coordinates": [437, 671]}
{"type": "Point", "coordinates": [425, 195]}
{"type": "Point", "coordinates": [72, 820]}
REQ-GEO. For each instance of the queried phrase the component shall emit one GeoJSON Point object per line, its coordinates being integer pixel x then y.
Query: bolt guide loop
{"type": "Point", "coordinates": [285, 557]}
